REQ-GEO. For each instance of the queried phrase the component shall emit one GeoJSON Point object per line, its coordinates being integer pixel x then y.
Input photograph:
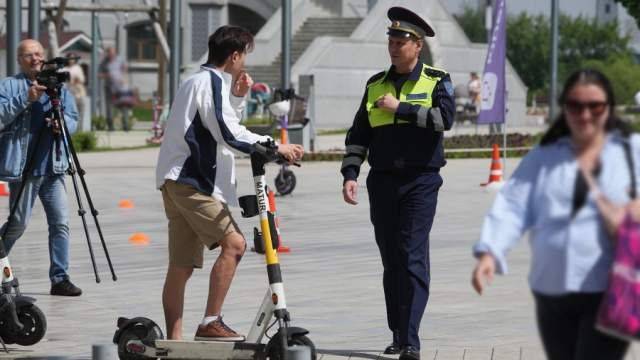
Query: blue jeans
{"type": "Point", "coordinates": [52, 192]}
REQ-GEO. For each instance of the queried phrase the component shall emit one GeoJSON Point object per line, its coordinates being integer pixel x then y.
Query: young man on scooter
{"type": "Point", "coordinates": [197, 177]}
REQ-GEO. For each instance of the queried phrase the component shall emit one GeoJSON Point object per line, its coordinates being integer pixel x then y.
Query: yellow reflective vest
{"type": "Point", "coordinates": [418, 92]}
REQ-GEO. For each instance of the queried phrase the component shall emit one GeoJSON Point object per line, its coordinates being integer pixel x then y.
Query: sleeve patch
{"type": "Point", "coordinates": [448, 86]}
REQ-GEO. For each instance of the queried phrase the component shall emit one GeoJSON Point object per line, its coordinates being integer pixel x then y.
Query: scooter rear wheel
{"type": "Point", "coordinates": [35, 326]}
{"type": "Point", "coordinates": [276, 351]}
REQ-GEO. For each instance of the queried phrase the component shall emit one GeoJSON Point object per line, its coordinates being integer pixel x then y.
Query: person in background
{"type": "Point", "coordinates": [474, 87]}
{"type": "Point", "coordinates": [113, 71]}
{"type": "Point", "coordinates": [77, 85]}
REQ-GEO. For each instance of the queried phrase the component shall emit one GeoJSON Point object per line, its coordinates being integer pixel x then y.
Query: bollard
{"type": "Point", "coordinates": [104, 352]}
{"type": "Point", "coordinates": [298, 352]}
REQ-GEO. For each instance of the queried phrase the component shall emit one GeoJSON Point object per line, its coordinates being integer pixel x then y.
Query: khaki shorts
{"type": "Point", "coordinates": [195, 220]}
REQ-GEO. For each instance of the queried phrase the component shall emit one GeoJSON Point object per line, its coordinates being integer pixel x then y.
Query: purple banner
{"type": "Point", "coordinates": [492, 107]}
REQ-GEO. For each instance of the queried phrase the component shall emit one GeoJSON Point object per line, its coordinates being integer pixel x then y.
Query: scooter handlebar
{"type": "Point", "coordinates": [269, 150]}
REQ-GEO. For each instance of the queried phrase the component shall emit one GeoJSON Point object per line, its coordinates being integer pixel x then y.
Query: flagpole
{"type": "Point", "coordinates": [504, 132]}
{"type": "Point", "coordinates": [506, 102]}
{"type": "Point", "coordinates": [554, 60]}
{"type": "Point", "coordinates": [504, 155]}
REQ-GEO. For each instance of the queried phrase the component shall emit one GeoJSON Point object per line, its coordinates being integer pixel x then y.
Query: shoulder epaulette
{"type": "Point", "coordinates": [433, 72]}
{"type": "Point", "coordinates": [376, 77]}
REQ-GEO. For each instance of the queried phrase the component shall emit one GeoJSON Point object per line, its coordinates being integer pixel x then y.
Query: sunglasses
{"type": "Point", "coordinates": [575, 107]}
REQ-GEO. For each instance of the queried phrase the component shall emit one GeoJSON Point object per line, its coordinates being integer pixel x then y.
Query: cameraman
{"type": "Point", "coordinates": [28, 140]}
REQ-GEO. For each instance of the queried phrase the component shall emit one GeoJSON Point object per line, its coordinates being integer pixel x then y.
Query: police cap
{"type": "Point", "coordinates": [405, 23]}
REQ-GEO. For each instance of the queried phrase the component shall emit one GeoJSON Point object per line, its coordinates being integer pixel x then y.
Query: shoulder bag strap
{"type": "Point", "coordinates": [633, 192]}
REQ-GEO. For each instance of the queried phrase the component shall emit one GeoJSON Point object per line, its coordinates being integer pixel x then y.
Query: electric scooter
{"type": "Point", "coordinates": [285, 181]}
{"type": "Point", "coordinates": [141, 338]}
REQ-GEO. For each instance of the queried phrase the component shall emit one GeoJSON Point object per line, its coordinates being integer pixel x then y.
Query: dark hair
{"type": "Point", "coordinates": [559, 128]}
{"type": "Point", "coordinates": [227, 40]}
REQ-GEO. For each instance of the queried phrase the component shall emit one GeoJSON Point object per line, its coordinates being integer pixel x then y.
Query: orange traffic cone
{"type": "Point", "coordinates": [495, 175]}
{"type": "Point", "coordinates": [272, 208]}
{"type": "Point", "coordinates": [125, 204]}
{"type": "Point", "coordinates": [141, 239]}
{"type": "Point", "coordinates": [4, 191]}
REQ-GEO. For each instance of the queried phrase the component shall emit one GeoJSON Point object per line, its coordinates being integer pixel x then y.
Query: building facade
{"type": "Point", "coordinates": [339, 62]}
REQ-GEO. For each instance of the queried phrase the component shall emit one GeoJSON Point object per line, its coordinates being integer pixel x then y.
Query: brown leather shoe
{"type": "Point", "coordinates": [217, 331]}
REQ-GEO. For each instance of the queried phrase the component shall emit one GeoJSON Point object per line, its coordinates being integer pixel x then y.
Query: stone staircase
{"type": "Point", "coordinates": [312, 28]}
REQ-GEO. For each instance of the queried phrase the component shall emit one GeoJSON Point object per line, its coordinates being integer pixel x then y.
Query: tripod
{"type": "Point", "coordinates": [63, 139]}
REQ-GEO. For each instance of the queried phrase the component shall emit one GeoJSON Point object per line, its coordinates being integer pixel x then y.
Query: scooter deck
{"type": "Point", "coordinates": [219, 350]}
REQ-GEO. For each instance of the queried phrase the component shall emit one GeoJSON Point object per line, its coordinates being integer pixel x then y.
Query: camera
{"type": "Point", "coordinates": [51, 77]}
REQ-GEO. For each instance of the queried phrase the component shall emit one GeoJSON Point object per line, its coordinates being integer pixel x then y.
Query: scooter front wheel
{"type": "Point", "coordinates": [285, 182]}
{"type": "Point", "coordinates": [276, 352]}
{"type": "Point", "coordinates": [35, 326]}
{"type": "Point", "coordinates": [143, 334]}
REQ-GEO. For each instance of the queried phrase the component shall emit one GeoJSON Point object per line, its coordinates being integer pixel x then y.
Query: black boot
{"type": "Point", "coordinates": [65, 288]}
{"type": "Point", "coordinates": [410, 353]}
{"type": "Point", "coordinates": [392, 349]}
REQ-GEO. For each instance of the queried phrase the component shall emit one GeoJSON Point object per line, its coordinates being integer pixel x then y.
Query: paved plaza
{"type": "Point", "coordinates": [332, 275]}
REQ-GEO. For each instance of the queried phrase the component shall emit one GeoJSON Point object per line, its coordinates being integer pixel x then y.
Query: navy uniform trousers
{"type": "Point", "coordinates": [403, 204]}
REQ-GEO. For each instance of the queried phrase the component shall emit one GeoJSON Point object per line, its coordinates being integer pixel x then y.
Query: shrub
{"type": "Point", "coordinates": [142, 113]}
{"type": "Point", "coordinates": [257, 120]}
{"type": "Point", "coordinates": [84, 141]}
{"type": "Point", "coordinates": [98, 123]}
{"type": "Point", "coordinates": [487, 141]}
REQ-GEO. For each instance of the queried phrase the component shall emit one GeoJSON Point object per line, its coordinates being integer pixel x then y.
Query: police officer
{"type": "Point", "coordinates": [400, 123]}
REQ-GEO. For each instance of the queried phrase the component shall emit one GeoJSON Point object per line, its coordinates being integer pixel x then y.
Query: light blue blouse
{"type": "Point", "coordinates": [569, 254]}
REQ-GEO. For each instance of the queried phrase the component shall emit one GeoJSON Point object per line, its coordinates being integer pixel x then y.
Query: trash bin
{"type": "Point", "coordinates": [299, 134]}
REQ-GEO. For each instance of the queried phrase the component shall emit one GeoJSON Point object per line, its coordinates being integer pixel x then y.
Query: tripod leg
{"type": "Point", "coordinates": [74, 162]}
{"type": "Point", "coordinates": [82, 212]}
{"type": "Point", "coordinates": [104, 245]}
{"type": "Point", "coordinates": [67, 144]}
{"type": "Point", "coordinates": [94, 212]}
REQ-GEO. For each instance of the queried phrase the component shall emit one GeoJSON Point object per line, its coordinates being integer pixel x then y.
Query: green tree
{"type": "Point", "coordinates": [623, 72]}
{"type": "Point", "coordinates": [472, 22]}
{"type": "Point", "coordinates": [633, 7]}
{"type": "Point", "coordinates": [528, 49]}
{"type": "Point", "coordinates": [581, 41]}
